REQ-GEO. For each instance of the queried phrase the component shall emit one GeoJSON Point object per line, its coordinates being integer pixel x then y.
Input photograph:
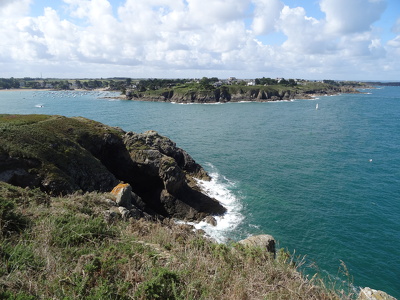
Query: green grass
{"type": "Point", "coordinates": [43, 136]}
{"type": "Point", "coordinates": [58, 148]}
{"type": "Point", "coordinates": [67, 251]}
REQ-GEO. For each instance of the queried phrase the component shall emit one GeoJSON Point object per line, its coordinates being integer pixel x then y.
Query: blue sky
{"type": "Point", "coordinates": [312, 39]}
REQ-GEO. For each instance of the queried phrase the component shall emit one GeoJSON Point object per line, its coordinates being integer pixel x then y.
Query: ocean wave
{"type": "Point", "coordinates": [220, 188]}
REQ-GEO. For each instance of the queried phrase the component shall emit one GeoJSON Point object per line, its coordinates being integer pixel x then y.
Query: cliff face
{"type": "Point", "coordinates": [236, 94]}
{"type": "Point", "coordinates": [62, 155]}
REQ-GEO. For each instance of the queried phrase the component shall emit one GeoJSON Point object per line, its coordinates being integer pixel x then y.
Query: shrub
{"type": "Point", "coordinates": [10, 220]}
{"type": "Point", "coordinates": [73, 230]}
{"type": "Point", "coordinates": [18, 296]}
{"type": "Point", "coordinates": [19, 256]}
{"type": "Point", "coordinates": [164, 285]}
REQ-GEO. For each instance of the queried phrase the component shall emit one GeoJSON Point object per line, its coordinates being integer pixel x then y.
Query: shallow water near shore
{"type": "Point", "coordinates": [324, 182]}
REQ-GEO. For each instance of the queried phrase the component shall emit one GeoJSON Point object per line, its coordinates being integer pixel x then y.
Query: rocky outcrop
{"type": "Point", "coordinates": [165, 178]}
{"type": "Point", "coordinates": [371, 294]}
{"type": "Point", "coordinates": [241, 93]}
{"type": "Point", "coordinates": [264, 241]}
{"type": "Point", "coordinates": [151, 140]}
{"type": "Point", "coordinates": [123, 194]}
{"type": "Point", "coordinates": [62, 155]}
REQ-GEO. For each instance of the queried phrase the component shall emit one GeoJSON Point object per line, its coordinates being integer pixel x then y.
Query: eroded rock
{"type": "Point", "coordinates": [65, 155]}
{"type": "Point", "coordinates": [264, 241]}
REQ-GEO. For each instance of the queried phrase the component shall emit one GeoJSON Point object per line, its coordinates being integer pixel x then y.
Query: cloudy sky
{"type": "Point", "coordinates": [311, 39]}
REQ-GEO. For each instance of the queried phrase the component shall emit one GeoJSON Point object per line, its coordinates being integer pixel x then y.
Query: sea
{"type": "Point", "coordinates": [323, 180]}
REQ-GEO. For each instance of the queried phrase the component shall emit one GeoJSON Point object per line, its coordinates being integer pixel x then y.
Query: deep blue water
{"type": "Point", "coordinates": [325, 183]}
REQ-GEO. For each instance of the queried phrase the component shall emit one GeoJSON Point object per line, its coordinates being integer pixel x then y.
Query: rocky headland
{"type": "Point", "coordinates": [63, 155]}
{"type": "Point", "coordinates": [226, 94]}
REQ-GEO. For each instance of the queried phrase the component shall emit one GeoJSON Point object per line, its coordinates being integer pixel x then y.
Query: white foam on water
{"type": "Point", "coordinates": [197, 103]}
{"type": "Point", "coordinates": [219, 188]}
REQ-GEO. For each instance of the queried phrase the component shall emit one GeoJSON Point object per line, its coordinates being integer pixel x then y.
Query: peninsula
{"type": "Point", "coordinates": [204, 90]}
{"type": "Point", "coordinates": [213, 90]}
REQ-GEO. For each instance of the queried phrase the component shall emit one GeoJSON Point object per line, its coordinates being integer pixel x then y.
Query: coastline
{"type": "Point", "coordinates": [23, 90]}
{"type": "Point", "coordinates": [54, 90]}
{"type": "Point", "coordinates": [269, 101]}
{"type": "Point", "coordinates": [235, 99]}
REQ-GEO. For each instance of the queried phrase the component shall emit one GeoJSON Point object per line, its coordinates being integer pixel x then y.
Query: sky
{"type": "Point", "coordinates": [308, 39]}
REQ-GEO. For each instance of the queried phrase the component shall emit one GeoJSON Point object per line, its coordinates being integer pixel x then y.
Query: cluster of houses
{"type": "Point", "coordinates": [249, 82]}
{"type": "Point", "coordinates": [44, 84]}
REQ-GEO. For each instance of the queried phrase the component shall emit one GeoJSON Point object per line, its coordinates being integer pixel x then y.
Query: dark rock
{"type": "Point", "coordinates": [125, 213]}
{"type": "Point", "coordinates": [164, 178]}
{"type": "Point", "coordinates": [138, 202]}
{"type": "Point", "coordinates": [15, 171]}
{"type": "Point", "coordinates": [110, 216]}
{"type": "Point", "coordinates": [135, 213]}
{"type": "Point", "coordinates": [211, 220]}
{"type": "Point", "coordinates": [149, 146]}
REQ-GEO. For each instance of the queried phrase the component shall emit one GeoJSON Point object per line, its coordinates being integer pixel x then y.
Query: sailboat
{"type": "Point", "coordinates": [316, 106]}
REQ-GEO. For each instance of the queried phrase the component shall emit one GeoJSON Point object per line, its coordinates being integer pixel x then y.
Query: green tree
{"type": "Point", "coordinates": [205, 83]}
{"type": "Point", "coordinates": [78, 84]}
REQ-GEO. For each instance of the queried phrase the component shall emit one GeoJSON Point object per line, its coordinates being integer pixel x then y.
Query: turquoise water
{"type": "Point", "coordinates": [325, 183]}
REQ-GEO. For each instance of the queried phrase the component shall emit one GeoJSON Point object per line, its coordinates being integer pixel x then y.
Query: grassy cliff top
{"type": "Point", "coordinates": [62, 248]}
{"type": "Point", "coordinates": [36, 136]}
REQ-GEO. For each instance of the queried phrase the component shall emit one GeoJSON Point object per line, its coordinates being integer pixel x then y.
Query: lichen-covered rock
{"type": "Point", "coordinates": [264, 241]}
{"type": "Point", "coordinates": [371, 294]}
{"type": "Point", "coordinates": [122, 193]}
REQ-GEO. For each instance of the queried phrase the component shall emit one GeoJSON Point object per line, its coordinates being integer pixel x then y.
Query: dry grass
{"type": "Point", "coordinates": [68, 252]}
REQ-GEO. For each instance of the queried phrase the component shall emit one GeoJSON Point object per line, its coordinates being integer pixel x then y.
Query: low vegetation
{"type": "Point", "coordinates": [64, 248]}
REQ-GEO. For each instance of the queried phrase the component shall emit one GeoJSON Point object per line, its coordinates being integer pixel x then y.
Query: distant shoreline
{"type": "Point", "coordinates": [53, 90]}
{"type": "Point", "coordinates": [22, 90]}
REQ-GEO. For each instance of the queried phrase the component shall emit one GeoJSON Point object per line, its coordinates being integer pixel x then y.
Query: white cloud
{"type": "Point", "coordinates": [170, 36]}
{"type": "Point", "coordinates": [60, 36]}
{"type": "Point", "coordinates": [266, 14]}
{"type": "Point", "coordinates": [305, 34]}
{"type": "Point", "coordinates": [396, 27]}
{"type": "Point", "coordinates": [12, 8]}
{"type": "Point", "coordinates": [216, 11]}
{"type": "Point", "coordinates": [395, 43]}
{"type": "Point", "coordinates": [343, 16]}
